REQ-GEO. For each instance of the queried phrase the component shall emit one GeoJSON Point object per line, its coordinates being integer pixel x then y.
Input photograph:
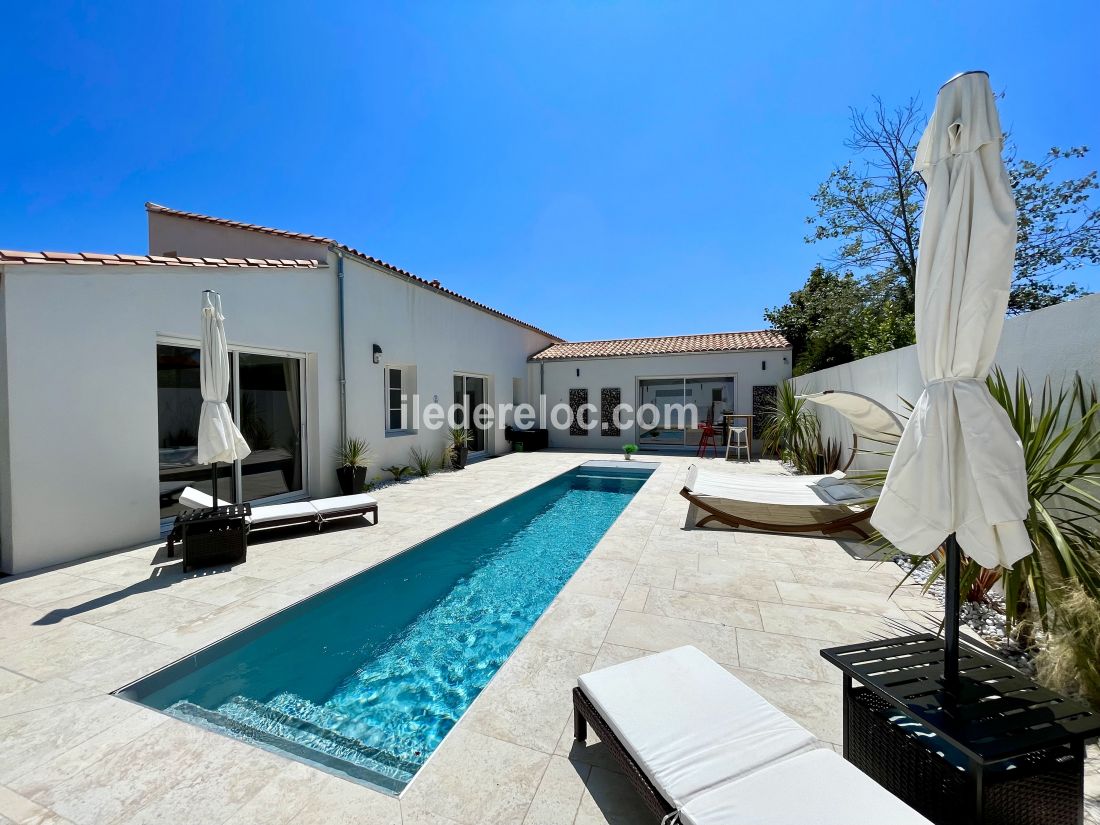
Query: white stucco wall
{"type": "Point", "coordinates": [1054, 342]}
{"type": "Point", "coordinates": [558, 377]}
{"type": "Point", "coordinates": [82, 405]}
{"type": "Point", "coordinates": [420, 327]}
{"type": "Point", "coordinates": [173, 235]}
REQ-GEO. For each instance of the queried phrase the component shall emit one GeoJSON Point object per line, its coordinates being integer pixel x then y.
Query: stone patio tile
{"type": "Point", "coordinates": [335, 801]}
{"type": "Point", "coordinates": [729, 548]}
{"type": "Point", "coordinates": [559, 793]}
{"type": "Point", "coordinates": [19, 693]}
{"type": "Point", "coordinates": [19, 810]}
{"type": "Point", "coordinates": [601, 577]}
{"type": "Point", "coordinates": [784, 655]}
{"type": "Point", "coordinates": [36, 590]}
{"type": "Point", "coordinates": [156, 616]}
{"type": "Point", "coordinates": [37, 780]}
{"type": "Point", "coordinates": [721, 584]}
{"type": "Point", "coordinates": [704, 607]}
{"type": "Point", "coordinates": [35, 737]}
{"type": "Point", "coordinates": [658, 633]}
{"type": "Point", "coordinates": [478, 780]}
{"type": "Point", "coordinates": [322, 575]}
{"type": "Point", "coordinates": [70, 650]}
{"type": "Point", "coordinates": [211, 626]}
{"type": "Point", "coordinates": [634, 598]}
{"type": "Point", "coordinates": [610, 799]}
{"type": "Point", "coordinates": [838, 627]}
{"type": "Point", "coordinates": [647, 575]}
{"type": "Point", "coordinates": [529, 697]}
{"type": "Point", "coordinates": [203, 779]}
{"type": "Point", "coordinates": [293, 787]}
{"type": "Point", "coordinates": [618, 549]}
{"type": "Point", "coordinates": [874, 579]}
{"type": "Point", "coordinates": [19, 622]}
{"type": "Point", "coordinates": [663, 558]}
{"type": "Point", "coordinates": [575, 622]}
{"type": "Point", "coordinates": [614, 654]}
{"type": "Point", "coordinates": [847, 600]}
{"type": "Point", "coordinates": [223, 590]}
{"type": "Point", "coordinates": [750, 568]}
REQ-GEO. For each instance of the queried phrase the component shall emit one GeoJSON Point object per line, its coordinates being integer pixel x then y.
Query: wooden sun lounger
{"type": "Point", "coordinates": [770, 510]}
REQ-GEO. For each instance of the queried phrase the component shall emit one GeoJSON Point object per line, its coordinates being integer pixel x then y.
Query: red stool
{"type": "Point", "coordinates": [709, 439]}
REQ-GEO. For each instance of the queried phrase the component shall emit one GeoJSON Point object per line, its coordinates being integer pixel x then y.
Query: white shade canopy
{"type": "Point", "coordinates": [868, 418]}
{"type": "Point", "coordinates": [219, 438]}
{"type": "Point", "coordinates": [959, 467]}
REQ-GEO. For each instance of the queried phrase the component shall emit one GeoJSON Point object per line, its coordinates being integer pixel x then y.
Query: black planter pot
{"type": "Point", "coordinates": [351, 479]}
{"type": "Point", "coordinates": [458, 458]}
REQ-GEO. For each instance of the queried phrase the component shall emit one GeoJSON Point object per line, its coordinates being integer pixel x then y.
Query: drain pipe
{"type": "Point", "coordinates": [343, 358]}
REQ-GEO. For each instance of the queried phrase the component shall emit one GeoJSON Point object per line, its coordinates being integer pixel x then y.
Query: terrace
{"type": "Point", "coordinates": [760, 605]}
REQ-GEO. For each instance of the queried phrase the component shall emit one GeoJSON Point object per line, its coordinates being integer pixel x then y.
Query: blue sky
{"type": "Point", "coordinates": [599, 169]}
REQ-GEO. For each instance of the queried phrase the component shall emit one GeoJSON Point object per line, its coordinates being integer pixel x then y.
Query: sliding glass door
{"type": "Point", "coordinates": [265, 396]}
{"type": "Point", "coordinates": [469, 394]}
{"type": "Point", "coordinates": [683, 406]}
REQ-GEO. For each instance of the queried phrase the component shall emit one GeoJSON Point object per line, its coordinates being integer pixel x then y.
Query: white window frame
{"type": "Point", "coordinates": [408, 391]}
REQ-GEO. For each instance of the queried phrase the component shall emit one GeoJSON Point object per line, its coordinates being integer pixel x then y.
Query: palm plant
{"type": "Point", "coordinates": [398, 471]}
{"type": "Point", "coordinates": [791, 429]}
{"type": "Point", "coordinates": [1060, 434]}
{"type": "Point", "coordinates": [354, 452]}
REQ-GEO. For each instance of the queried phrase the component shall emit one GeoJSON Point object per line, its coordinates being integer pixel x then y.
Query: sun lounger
{"type": "Point", "coordinates": [779, 504]}
{"type": "Point", "coordinates": [704, 749]}
{"type": "Point", "coordinates": [319, 511]}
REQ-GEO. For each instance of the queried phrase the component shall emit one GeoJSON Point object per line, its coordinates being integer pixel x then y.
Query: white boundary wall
{"type": "Point", "coordinates": [1054, 342]}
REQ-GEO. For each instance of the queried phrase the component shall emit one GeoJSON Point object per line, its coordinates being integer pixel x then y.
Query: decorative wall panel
{"type": "Point", "coordinates": [763, 402]}
{"type": "Point", "coordinates": [577, 399]}
{"type": "Point", "coordinates": [610, 398]}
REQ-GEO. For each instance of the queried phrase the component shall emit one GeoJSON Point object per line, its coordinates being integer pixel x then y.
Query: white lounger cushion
{"type": "Point", "coordinates": [816, 788]}
{"type": "Point", "coordinates": [688, 722]}
{"type": "Point", "coordinates": [198, 500]}
{"type": "Point", "coordinates": [303, 510]}
{"type": "Point", "coordinates": [338, 503]}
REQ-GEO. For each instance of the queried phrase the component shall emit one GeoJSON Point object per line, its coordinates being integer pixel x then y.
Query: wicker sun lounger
{"type": "Point", "coordinates": [318, 511]}
{"type": "Point", "coordinates": [702, 748]}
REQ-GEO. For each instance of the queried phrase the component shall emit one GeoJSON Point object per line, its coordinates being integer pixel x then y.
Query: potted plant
{"type": "Point", "coordinates": [353, 459]}
{"type": "Point", "coordinates": [629, 450]}
{"type": "Point", "coordinates": [460, 441]}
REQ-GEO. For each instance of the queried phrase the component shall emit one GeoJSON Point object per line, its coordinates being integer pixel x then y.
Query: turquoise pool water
{"type": "Point", "coordinates": [367, 677]}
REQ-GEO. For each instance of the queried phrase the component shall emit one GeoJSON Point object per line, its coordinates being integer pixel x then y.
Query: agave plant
{"type": "Point", "coordinates": [354, 452]}
{"type": "Point", "coordinates": [791, 429]}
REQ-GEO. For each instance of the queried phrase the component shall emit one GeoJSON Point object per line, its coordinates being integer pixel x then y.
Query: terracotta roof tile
{"type": "Point", "coordinates": [301, 236]}
{"type": "Point", "coordinates": [669, 345]}
{"type": "Point", "coordinates": [13, 257]}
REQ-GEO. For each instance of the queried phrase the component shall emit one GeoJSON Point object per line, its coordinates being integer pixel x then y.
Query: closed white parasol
{"type": "Point", "coordinates": [958, 471]}
{"type": "Point", "coordinates": [219, 438]}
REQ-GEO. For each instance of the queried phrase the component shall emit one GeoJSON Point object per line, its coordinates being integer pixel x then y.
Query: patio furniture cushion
{"type": "Point", "coordinates": [198, 500]}
{"type": "Point", "coordinates": [816, 786]}
{"type": "Point", "coordinates": [296, 510]}
{"type": "Point", "coordinates": [336, 504]}
{"type": "Point", "coordinates": [688, 722]}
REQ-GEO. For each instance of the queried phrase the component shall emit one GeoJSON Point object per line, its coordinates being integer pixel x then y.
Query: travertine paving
{"type": "Point", "coordinates": [761, 605]}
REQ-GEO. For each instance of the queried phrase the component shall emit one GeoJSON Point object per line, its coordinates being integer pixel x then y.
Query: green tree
{"type": "Point", "coordinates": [834, 319]}
{"type": "Point", "coordinates": [869, 208]}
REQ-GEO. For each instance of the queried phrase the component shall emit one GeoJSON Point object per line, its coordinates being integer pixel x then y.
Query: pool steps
{"type": "Point", "coordinates": [261, 724]}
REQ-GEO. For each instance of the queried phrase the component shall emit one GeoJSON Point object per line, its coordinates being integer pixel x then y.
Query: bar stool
{"type": "Point", "coordinates": [737, 441]}
{"type": "Point", "coordinates": [709, 439]}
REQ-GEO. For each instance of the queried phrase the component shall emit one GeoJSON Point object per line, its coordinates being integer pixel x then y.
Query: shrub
{"type": "Point", "coordinates": [1070, 661]}
{"type": "Point", "coordinates": [422, 461]}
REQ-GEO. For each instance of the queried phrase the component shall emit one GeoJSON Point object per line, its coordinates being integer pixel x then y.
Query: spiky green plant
{"type": "Point", "coordinates": [423, 462]}
{"type": "Point", "coordinates": [1070, 660]}
{"type": "Point", "coordinates": [1060, 434]}
{"type": "Point", "coordinates": [791, 429]}
{"type": "Point", "coordinates": [354, 452]}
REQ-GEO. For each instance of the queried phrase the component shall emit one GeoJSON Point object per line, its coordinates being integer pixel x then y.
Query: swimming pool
{"type": "Point", "coordinates": [368, 676]}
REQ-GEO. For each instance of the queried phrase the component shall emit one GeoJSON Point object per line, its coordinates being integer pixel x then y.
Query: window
{"type": "Point", "coordinates": [400, 388]}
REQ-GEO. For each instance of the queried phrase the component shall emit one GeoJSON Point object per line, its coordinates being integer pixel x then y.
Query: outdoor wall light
{"type": "Point", "coordinates": [377, 353]}
{"type": "Point", "coordinates": [763, 365]}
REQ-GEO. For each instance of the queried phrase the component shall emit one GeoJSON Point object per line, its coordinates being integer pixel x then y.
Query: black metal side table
{"type": "Point", "coordinates": [214, 535]}
{"type": "Point", "coordinates": [999, 749]}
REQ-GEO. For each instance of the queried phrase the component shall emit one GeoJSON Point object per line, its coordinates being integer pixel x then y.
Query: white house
{"type": "Point", "coordinates": [99, 392]}
{"type": "Point", "coordinates": [685, 381]}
